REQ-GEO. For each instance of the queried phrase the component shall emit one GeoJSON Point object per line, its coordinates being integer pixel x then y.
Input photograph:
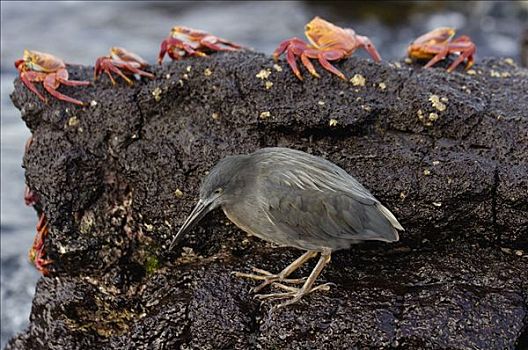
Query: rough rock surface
{"type": "Point", "coordinates": [447, 153]}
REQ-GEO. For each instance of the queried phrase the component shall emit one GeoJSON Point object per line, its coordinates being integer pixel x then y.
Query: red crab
{"type": "Point", "coordinates": [439, 43]}
{"type": "Point", "coordinates": [30, 198]}
{"type": "Point", "coordinates": [39, 67]}
{"type": "Point", "coordinates": [121, 61]}
{"type": "Point", "coordinates": [36, 253]}
{"type": "Point", "coordinates": [183, 41]}
{"type": "Point", "coordinates": [328, 42]}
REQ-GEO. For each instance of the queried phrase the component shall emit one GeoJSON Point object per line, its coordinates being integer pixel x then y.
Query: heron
{"type": "Point", "coordinates": [293, 199]}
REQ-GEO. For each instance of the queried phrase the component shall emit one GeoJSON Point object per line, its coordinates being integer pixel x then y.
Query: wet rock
{"type": "Point", "coordinates": [447, 153]}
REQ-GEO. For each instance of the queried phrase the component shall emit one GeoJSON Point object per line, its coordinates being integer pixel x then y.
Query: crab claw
{"type": "Point", "coordinates": [369, 47]}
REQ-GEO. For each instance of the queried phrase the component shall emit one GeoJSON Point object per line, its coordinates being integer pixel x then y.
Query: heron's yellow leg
{"type": "Point", "coordinates": [269, 278]}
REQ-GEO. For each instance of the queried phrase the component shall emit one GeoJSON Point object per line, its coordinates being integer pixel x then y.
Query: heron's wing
{"type": "Point", "coordinates": [305, 171]}
{"type": "Point", "coordinates": [326, 214]}
{"type": "Point", "coordinates": [302, 175]}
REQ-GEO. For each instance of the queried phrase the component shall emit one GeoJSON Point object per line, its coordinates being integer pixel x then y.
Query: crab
{"type": "Point", "coordinates": [121, 61]}
{"type": "Point", "coordinates": [328, 42]}
{"type": "Point", "coordinates": [439, 43]}
{"type": "Point", "coordinates": [37, 252]}
{"type": "Point", "coordinates": [40, 67]}
{"type": "Point", "coordinates": [183, 41]}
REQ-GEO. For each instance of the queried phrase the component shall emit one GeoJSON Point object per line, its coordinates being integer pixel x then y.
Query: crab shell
{"type": "Point", "coordinates": [42, 62]}
{"type": "Point", "coordinates": [327, 36]}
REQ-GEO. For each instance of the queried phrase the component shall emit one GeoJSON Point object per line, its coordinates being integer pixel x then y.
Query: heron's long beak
{"type": "Point", "coordinates": [199, 211]}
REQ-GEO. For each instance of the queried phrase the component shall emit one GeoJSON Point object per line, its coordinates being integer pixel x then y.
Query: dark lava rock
{"type": "Point", "coordinates": [447, 153]}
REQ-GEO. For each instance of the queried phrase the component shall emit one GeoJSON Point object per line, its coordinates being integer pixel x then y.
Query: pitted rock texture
{"type": "Point", "coordinates": [447, 153]}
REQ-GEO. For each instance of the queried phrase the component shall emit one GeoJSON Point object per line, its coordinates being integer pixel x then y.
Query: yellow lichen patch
{"type": "Point", "coordinates": [420, 114]}
{"type": "Point", "coordinates": [433, 117]}
{"type": "Point", "coordinates": [178, 193]}
{"type": "Point", "coordinates": [263, 74]}
{"type": "Point", "coordinates": [277, 67]}
{"type": "Point", "coordinates": [87, 222]}
{"type": "Point", "coordinates": [73, 121]}
{"type": "Point", "coordinates": [268, 85]}
{"type": "Point", "coordinates": [215, 116]}
{"type": "Point", "coordinates": [495, 74]}
{"type": "Point", "coordinates": [332, 122]}
{"type": "Point", "coordinates": [427, 172]}
{"type": "Point", "coordinates": [207, 72]}
{"type": "Point", "coordinates": [265, 115]}
{"type": "Point", "coordinates": [358, 80]}
{"type": "Point", "coordinates": [510, 61]}
{"type": "Point", "coordinates": [157, 94]}
{"type": "Point", "coordinates": [435, 101]}
{"type": "Point", "coordinates": [382, 86]}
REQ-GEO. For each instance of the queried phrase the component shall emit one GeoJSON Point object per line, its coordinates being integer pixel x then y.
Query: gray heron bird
{"type": "Point", "coordinates": [294, 199]}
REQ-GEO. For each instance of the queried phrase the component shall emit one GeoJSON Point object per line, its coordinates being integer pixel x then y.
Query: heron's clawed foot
{"type": "Point", "coordinates": [268, 278]}
{"type": "Point", "coordinates": [294, 294]}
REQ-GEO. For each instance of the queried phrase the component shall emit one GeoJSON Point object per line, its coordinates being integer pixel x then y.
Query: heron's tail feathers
{"type": "Point", "coordinates": [390, 216]}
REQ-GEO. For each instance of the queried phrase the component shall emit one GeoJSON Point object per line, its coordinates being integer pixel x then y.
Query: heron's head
{"type": "Point", "coordinates": [221, 185]}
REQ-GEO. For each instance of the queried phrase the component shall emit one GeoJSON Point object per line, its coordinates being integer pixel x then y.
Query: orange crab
{"type": "Point", "coordinates": [328, 42]}
{"type": "Point", "coordinates": [120, 60]}
{"type": "Point", "coordinates": [439, 43]}
{"type": "Point", "coordinates": [36, 253]}
{"type": "Point", "coordinates": [39, 67]}
{"type": "Point", "coordinates": [183, 41]}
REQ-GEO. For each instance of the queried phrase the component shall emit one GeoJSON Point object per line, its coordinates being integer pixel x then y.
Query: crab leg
{"type": "Point", "coordinates": [27, 77]}
{"type": "Point", "coordinates": [308, 64]}
{"type": "Point", "coordinates": [290, 58]}
{"type": "Point", "coordinates": [326, 56]}
{"type": "Point", "coordinates": [282, 47]}
{"type": "Point", "coordinates": [51, 83]}
{"type": "Point", "coordinates": [467, 50]}
{"type": "Point", "coordinates": [461, 58]}
{"type": "Point", "coordinates": [133, 69]}
{"type": "Point", "coordinates": [211, 43]}
{"type": "Point", "coordinates": [163, 51]}
{"type": "Point", "coordinates": [111, 67]}
{"type": "Point", "coordinates": [438, 57]}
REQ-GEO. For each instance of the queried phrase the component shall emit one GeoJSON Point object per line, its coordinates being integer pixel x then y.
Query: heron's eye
{"type": "Point", "coordinates": [218, 191]}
